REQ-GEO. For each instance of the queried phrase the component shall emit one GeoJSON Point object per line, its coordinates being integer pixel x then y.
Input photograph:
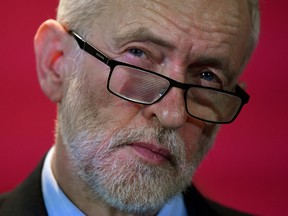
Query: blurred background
{"type": "Point", "coordinates": [246, 170]}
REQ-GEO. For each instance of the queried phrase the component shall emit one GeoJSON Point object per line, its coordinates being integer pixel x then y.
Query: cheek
{"type": "Point", "coordinates": [95, 85]}
{"type": "Point", "coordinates": [121, 113]}
{"type": "Point", "coordinates": [117, 110]}
{"type": "Point", "coordinates": [96, 78]}
{"type": "Point", "coordinates": [95, 73]}
{"type": "Point", "coordinates": [195, 138]}
{"type": "Point", "coordinates": [191, 137]}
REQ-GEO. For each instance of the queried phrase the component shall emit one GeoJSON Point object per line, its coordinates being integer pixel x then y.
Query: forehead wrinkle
{"type": "Point", "coordinates": [157, 12]}
{"type": "Point", "coordinates": [188, 15]}
{"type": "Point", "coordinates": [188, 22]}
{"type": "Point", "coordinates": [142, 34]}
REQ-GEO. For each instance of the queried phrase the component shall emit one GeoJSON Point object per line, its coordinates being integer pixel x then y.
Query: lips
{"type": "Point", "coordinates": [151, 153]}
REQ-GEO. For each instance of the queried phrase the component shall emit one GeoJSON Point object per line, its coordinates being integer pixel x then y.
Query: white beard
{"type": "Point", "coordinates": [129, 185]}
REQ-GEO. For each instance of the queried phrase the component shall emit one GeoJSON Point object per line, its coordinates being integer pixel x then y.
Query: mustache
{"type": "Point", "coordinates": [159, 136]}
{"type": "Point", "coordinates": [162, 136]}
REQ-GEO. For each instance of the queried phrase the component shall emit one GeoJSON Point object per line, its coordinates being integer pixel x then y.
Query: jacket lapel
{"type": "Point", "coordinates": [27, 198]}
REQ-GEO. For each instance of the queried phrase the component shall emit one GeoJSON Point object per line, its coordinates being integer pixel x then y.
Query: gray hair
{"type": "Point", "coordinates": [79, 15]}
{"type": "Point", "coordinates": [255, 26]}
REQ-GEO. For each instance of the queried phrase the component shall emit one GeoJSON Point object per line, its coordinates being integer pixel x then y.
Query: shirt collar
{"type": "Point", "coordinates": [57, 203]}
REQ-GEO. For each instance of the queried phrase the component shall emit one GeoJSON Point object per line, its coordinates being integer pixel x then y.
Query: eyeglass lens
{"type": "Point", "coordinates": [137, 85]}
{"type": "Point", "coordinates": [212, 105]}
{"type": "Point", "coordinates": [146, 88]}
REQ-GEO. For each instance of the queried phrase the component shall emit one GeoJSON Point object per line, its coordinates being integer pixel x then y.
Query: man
{"type": "Point", "coordinates": [141, 88]}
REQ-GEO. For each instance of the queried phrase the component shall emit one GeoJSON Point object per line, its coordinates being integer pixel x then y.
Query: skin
{"type": "Point", "coordinates": [177, 37]}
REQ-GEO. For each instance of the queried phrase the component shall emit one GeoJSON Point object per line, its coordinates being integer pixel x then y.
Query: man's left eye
{"type": "Point", "coordinates": [209, 79]}
{"type": "Point", "coordinates": [136, 52]}
{"type": "Point", "coordinates": [209, 76]}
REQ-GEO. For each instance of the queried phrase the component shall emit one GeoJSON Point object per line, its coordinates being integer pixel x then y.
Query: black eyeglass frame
{"type": "Point", "coordinates": [84, 45]}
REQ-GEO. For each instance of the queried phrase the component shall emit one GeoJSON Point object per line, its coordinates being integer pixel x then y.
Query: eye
{"type": "Point", "coordinates": [209, 79]}
{"type": "Point", "coordinates": [136, 52]}
{"type": "Point", "coordinates": [209, 76]}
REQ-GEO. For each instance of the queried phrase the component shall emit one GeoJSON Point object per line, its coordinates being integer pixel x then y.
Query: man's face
{"type": "Point", "coordinates": [136, 157]}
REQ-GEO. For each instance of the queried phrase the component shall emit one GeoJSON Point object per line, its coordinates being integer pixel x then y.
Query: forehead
{"type": "Point", "coordinates": [186, 25]}
{"type": "Point", "coordinates": [182, 13]}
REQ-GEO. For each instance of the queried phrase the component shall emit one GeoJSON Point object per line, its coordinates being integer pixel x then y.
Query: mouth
{"type": "Point", "coordinates": [151, 153]}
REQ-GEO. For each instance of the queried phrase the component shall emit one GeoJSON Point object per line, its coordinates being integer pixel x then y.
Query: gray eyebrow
{"type": "Point", "coordinates": [216, 62]}
{"type": "Point", "coordinates": [144, 34]}
{"type": "Point", "coordinates": [141, 34]}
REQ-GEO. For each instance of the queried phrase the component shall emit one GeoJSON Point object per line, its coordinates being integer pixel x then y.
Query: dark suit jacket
{"type": "Point", "coordinates": [27, 199]}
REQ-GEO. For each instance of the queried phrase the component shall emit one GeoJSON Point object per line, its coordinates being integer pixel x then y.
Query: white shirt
{"type": "Point", "coordinates": [57, 203]}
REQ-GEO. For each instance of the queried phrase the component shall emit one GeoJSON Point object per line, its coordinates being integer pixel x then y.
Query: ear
{"type": "Point", "coordinates": [49, 50]}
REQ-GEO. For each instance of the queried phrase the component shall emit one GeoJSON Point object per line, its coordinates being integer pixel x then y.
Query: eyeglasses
{"type": "Point", "coordinates": [142, 86]}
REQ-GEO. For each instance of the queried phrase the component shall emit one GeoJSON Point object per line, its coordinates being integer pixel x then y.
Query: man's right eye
{"type": "Point", "coordinates": [136, 52]}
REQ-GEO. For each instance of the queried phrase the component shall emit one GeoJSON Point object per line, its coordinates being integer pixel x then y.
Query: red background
{"type": "Point", "coordinates": [248, 167]}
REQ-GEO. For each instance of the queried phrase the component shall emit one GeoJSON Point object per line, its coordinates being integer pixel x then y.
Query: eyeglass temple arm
{"type": "Point", "coordinates": [88, 48]}
{"type": "Point", "coordinates": [245, 97]}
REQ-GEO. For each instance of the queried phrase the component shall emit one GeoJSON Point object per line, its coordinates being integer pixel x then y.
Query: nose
{"type": "Point", "coordinates": [170, 110]}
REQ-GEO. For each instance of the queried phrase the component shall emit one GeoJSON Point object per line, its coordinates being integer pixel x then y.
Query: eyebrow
{"type": "Point", "coordinates": [216, 62]}
{"type": "Point", "coordinates": [141, 34]}
{"type": "Point", "coordinates": [144, 34]}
